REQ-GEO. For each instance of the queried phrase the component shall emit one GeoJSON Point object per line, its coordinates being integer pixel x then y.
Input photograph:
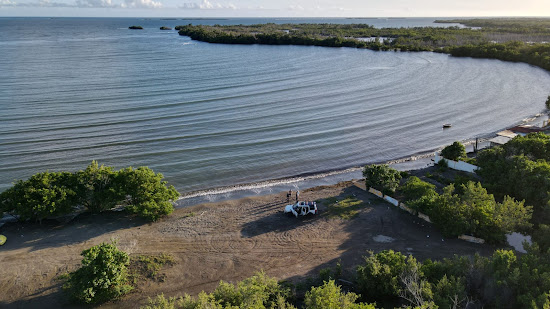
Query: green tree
{"type": "Point", "coordinates": [97, 189]}
{"type": "Point", "coordinates": [330, 296]}
{"type": "Point", "coordinates": [379, 277]}
{"type": "Point", "coordinates": [258, 291]}
{"type": "Point", "coordinates": [101, 277]}
{"type": "Point", "coordinates": [455, 151]}
{"type": "Point", "coordinates": [43, 195]}
{"type": "Point", "coordinates": [449, 291]}
{"type": "Point", "coordinates": [148, 195]}
{"type": "Point", "coordinates": [382, 177]}
{"type": "Point", "coordinates": [477, 213]}
{"type": "Point", "coordinates": [414, 189]}
{"type": "Point", "coordinates": [542, 237]}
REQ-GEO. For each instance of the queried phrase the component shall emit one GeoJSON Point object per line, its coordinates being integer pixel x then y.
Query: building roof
{"type": "Point", "coordinates": [525, 129]}
{"type": "Point", "coordinates": [500, 140]}
{"type": "Point", "coordinates": [507, 133]}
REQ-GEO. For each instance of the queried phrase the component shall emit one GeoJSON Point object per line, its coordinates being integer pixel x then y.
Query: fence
{"type": "Point", "coordinates": [459, 166]}
{"type": "Point", "coordinates": [419, 214]}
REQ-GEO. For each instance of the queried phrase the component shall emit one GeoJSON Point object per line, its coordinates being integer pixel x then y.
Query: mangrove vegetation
{"type": "Point", "coordinates": [96, 189]}
{"type": "Point", "coordinates": [517, 40]}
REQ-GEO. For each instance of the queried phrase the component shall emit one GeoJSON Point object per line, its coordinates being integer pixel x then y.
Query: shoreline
{"type": "Point", "coordinates": [304, 181]}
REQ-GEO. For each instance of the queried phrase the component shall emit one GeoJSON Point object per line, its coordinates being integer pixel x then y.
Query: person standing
{"type": "Point", "coordinates": [297, 194]}
{"type": "Point", "coordinates": [288, 195]}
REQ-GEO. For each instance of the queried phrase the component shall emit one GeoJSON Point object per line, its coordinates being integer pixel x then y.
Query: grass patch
{"type": "Point", "coordinates": [148, 266]}
{"type": "Point", "coordinates": [346, 209]}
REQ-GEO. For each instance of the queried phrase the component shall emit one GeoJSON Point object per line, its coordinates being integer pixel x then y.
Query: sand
{"type": "Point", "coordinates": [227, 240]}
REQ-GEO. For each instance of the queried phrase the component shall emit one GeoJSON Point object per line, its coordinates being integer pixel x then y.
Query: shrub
{"type": "Point", "coordinates": [382, 177]}
{"type": "Point", "coordinates": [202, 301]}
{"type": "Point", "coordinates": [414, 188]}
{"type": "Point", "coordinates": [443, 165]}
{"type": "Point", "coordinates": [454, 152]}
{"type": "Point", "coordinates": [101, 277]}
{"type": "Point", "coordinates": [258, 292]}
{"type": "Point", "coordinates": [330, 296]}
{"type": "Point", "coordinates": [379, 276]}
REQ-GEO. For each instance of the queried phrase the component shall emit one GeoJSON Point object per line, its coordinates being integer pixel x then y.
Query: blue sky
{"type": "Point", "coordinates": [281, 8]}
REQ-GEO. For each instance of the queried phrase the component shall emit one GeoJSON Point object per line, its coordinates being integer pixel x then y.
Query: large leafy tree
{"type": "Point", "coordinates": [98, 189]}
{"type": "Point", "coordinates": [381, 177]}
{"type": "Point", "coordinates": [101, 277]}
{"type": "Point", "coordinates": [414, 188]}
{"type": "Point", "coordinates": [42, 195]}
{"type": "Point", "coordinates": [148, 196]}
{"type": "Point", "coordinates": [379, 277]}
{"type": "Point", "coordinates": [519, 168]}
{"type": "Point", "coordinates": [477, 213]}
{"type": "Point", "coordinates": [455, 151]}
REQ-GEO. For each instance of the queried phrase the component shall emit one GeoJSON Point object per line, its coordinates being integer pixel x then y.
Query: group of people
{"type": "Point", "coordinates": [289, 195]}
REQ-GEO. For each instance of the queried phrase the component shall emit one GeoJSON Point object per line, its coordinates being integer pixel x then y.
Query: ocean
{"type": "Point", "coordinates": [73, 90]}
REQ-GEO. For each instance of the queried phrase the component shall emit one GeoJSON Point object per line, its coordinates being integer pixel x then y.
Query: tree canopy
{"type": "Point", "coordinates": [381, 177]}
{"type": "Point", "coordinates": [101, 277]}
{"type": "Point", "coordinates": [98, 188]}
{"type": "Point", "coordinates": [454, 152]}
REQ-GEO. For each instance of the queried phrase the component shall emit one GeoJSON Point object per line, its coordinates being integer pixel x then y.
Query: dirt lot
{"type": "Point", "coordinates": [220, 241]}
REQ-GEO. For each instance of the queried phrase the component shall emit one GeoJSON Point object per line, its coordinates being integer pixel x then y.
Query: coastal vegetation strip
{"type": "Point", "coordinates": [522, 41]}
{"type": "Point", "coordinates": [391, 278]}
{"type": "Point", "coordinates": [96, 189]}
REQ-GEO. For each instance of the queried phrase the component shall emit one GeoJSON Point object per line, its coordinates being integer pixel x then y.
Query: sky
{"type": "Point", "coordinates": [270, 8]}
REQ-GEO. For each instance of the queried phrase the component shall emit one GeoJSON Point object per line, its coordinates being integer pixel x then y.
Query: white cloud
{"type": "Point", "coordinates": [296, 8]}
{"type": "Point", "coordinates": [95, 4]}
{"type": "Point", "coordinates": [6, 3]}
{"type": "Point", "coordinates": [206, 5]}
{"type": "Point", "coordinates": [129, 4]}
{"type": "Point", "coordinates": [141, 4]}
{"type": "Point", "coordinates": [42, 4]}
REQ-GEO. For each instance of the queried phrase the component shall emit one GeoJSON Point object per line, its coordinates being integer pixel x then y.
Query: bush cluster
{"type": "Point", "coordinates": [101, 277]}
{"type": "Point", "coordinates": [98, 188]}
{"type": "Point", "coordinates": [504, 280]}
{"type": "Point", "coordinates": [471, 211]}
{"type": "Point", "coordinates": [382, 178]}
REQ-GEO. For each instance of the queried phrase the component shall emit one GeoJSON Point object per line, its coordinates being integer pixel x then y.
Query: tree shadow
{"type": "Point", "coordinates": [52, 234]}
{"type": "Point", "coordinates": [277, 222]}
{"type": "Point", "coordinates": [47, 297]}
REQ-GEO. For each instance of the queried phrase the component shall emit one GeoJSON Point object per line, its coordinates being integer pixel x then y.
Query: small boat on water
{"type": "Point", "coordinates": [447, 125]}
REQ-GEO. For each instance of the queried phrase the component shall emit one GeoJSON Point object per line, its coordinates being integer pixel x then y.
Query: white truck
{"type": "Point", "coordinates": [301, 209]}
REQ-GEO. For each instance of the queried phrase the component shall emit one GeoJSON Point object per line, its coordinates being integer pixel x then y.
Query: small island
{"type": "Point", "coordinates": [136, 27]}
{"type": "Point", "coordinates": [165, 28]}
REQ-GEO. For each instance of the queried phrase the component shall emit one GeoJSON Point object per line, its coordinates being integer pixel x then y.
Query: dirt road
{"type": "Point", "coordinates": [211, 242]}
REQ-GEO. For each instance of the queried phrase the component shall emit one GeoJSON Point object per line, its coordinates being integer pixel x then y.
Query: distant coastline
{"type": "Point", "coordinates": [514, 40]}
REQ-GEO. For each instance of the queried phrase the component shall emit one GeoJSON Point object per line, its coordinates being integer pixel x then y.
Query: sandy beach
{"type": "Point", "coordinates": [228, 240]}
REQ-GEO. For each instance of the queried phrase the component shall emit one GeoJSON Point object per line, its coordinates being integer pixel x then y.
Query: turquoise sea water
{"type": "Point", "coordinates": [207, 115]}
